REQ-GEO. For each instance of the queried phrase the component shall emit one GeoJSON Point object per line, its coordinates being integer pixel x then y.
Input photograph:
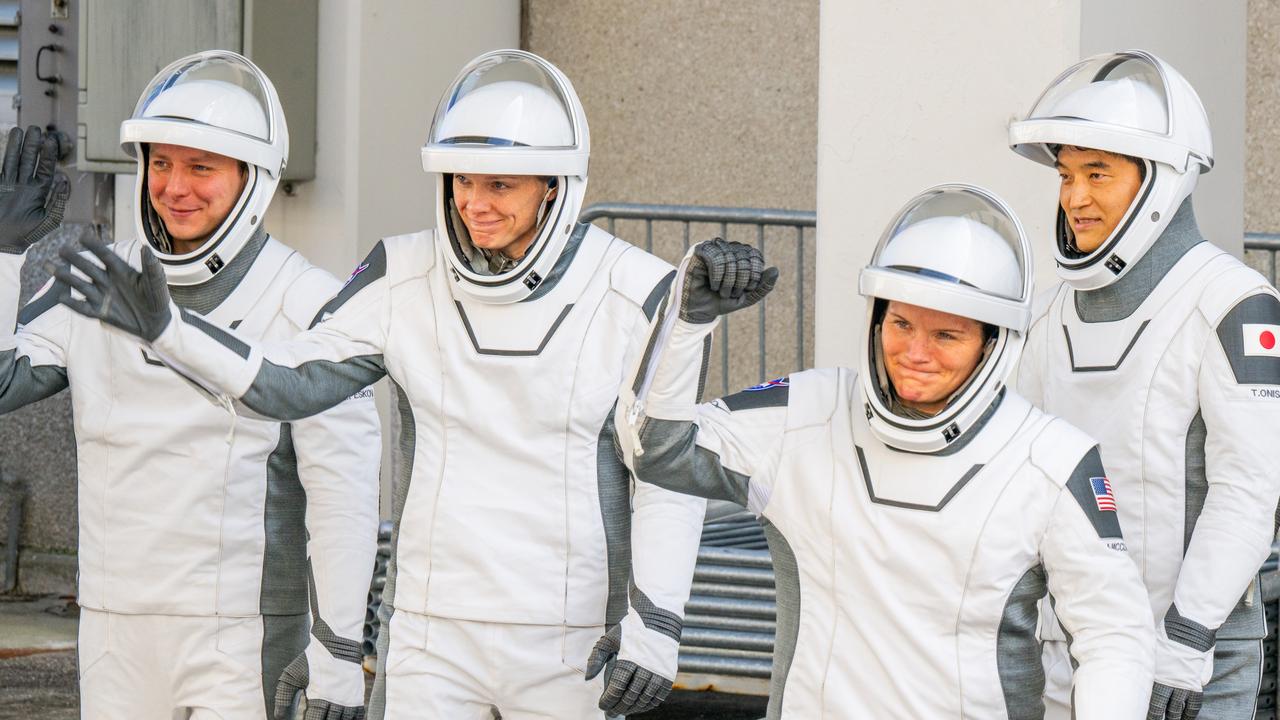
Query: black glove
{"type": "Point", "coordinates": [32, 191]}
{"type": "Point", "coordinates": [722, 277]}
{"type": "Point", "coordinates": [115, 293]}
{"type": "Point", "coordinates": [1170, 703]}
{"type": "Point", "coordinates": [293, 683]}
{"type": "Point", "coordinates": [628, 688]}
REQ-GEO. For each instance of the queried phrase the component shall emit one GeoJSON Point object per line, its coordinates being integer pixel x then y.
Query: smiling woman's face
{"type": "Point", "coordinates": [928, 354]}
{"type": "Point", "coordinates": [501, 211]}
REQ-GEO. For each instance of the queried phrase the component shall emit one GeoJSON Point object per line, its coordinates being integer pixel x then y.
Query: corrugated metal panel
{"type": "Point", "coordinates": [9, 13]}
{"type": "Point", "coordinates": [9, 19]}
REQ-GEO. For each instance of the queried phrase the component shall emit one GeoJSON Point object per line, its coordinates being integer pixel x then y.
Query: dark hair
{"type": "Point", "coordinates": [1142, 166]}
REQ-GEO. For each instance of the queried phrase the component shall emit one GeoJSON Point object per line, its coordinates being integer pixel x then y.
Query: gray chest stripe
{"type": "Point", "coordinates": [871, 491]}
{"type": "Point", "coordinates": [462, 313]}
{"type": "Point", "coordinates": [1102, 368]}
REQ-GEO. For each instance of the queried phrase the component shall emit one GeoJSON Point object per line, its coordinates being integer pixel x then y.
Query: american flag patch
{"type": "Point", "coordinates": [780, 382]}
{"type": "Point", "coordinates": [1102, 494]}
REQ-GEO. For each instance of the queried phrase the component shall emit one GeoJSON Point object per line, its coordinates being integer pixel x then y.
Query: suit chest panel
{"type": "Point", "coordinates": [545, 366]}
{"type": "Point", "coordinates": [1131, 382]}
{"type": "Point", "coordinates": [161, 405]}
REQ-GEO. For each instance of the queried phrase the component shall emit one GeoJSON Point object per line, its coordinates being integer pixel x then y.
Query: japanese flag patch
{"type": "Point", "coordinates": [1261, 340]}
{"type": "Point", "coordinates": [1102, 494]}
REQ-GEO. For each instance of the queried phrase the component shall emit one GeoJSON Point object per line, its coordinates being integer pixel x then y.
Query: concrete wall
{"type": "Point", "coordinates": [1262, 119]}
{"type": "Point", "coordinates": [701, 102]}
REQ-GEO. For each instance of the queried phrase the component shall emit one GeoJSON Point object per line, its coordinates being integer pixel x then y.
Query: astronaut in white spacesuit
{"type": "Point", "coordinates": [198, 572]}
{"type": "Point", "coordinates": [507, 331]}
{"type": "Point", "coordinates": [1164, 346]}
{"type": "Point", "coordinates": [916, 509]}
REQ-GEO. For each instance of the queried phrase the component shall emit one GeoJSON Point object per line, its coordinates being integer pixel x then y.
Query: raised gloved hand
{"type": "Point", "coordinates": [722, 277]}
{"type": "Point", "coordinates": [32, 191]}
{"type": "Point", "coordinates": [1184, 663]}
{"type": "Point", "coordinates": [296, 679]}
{"type": "Point", "coordinates": [628, 686]}
{"type": "Point", "coordinates": [115, 293]}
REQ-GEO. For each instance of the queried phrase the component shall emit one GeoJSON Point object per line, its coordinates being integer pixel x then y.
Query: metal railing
{"type": "Point", "coordinates": [725, 218]}
{"type": "Point", "coordinates": [1269, 245]}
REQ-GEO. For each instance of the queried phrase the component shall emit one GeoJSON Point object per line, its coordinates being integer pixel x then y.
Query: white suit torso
{"type": "Point", "coordinates": [918, 574]}
{"type": "Point", "coordinates": [1147, 386]}
{"type": "Point", "coordinates": [503, 519]}
{"type": "Point", "coordinates": [179, 499]}
{"type": "Point", "coordinates": [508, 506]}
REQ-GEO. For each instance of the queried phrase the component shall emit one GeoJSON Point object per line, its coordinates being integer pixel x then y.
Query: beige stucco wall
{"type": "Point", "coordinates": [701, 102]}
{"type": "Point", "coordinates": [1262, 119]}
{"type": "Point", "coordinates": [691, 101]}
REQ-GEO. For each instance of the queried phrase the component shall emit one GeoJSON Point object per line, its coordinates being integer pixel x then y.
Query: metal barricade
{"type": "Point", "coordinates": [751, 225]}
{"type": "Point", "coordinates": [1260, 253]}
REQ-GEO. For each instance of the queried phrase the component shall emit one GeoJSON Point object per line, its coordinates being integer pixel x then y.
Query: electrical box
{"type": "Point", "coordinates": [124, 43]}
{"type": "Point", "coordinates": [45, 81]}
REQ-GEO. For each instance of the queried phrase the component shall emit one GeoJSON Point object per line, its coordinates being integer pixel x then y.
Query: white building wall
{"type": "Point", "coordinates": [913, 94]}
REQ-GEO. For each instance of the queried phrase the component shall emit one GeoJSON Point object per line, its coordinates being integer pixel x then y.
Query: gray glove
{"type": "Point", "coordinates": [293, 684]}
{"type": "Point", "coordinates": [115, 293]}
{"type": "Point", "coordinates": [722, 277]}
{"type": "Point", "coordinates": [628, 687]}
{"type": "Point", "coordinates": [1170, 703]}
{"type": "Point", "coordinates": [32, 191]}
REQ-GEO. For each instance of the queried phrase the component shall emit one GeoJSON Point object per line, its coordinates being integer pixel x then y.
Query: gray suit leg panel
{"type": "Point", "coordinates": [1018, 650]}
{"type": "Point", "coordinates": [786, 579]}
{"type": "Point", "coordinates": [284, 637]}
{"type": "Point", "coordinates": [614, 490]}
{"type": "Point", "coordinates": [1237, 677]}
{"type": "Point", "coordinates": [1246, 621]}
{"type": "Point", "coordinates": [284, 557]}
{"type": "Point", "coordinates": [286, 393]}
{"type": "Point", "coordinates": [406, 441]}
{"type": "Point", "coordinates": [21, 384]}
{"type": "Point", "coordinates": [673, 460]}
{"type": "Point", "coordinates": [1197, 483]}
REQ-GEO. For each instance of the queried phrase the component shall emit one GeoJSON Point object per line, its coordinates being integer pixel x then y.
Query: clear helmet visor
{"type": "Point", "coordinates": [957, 249]}
{"type": "Point", "coordinates": [217, 89]}
{"type": "Point", "coordinates": [1126, 90]}
{"type": "Point", "coordinates": [509, 111]}
{"type": "Point", "coordinates": [1130, 103]}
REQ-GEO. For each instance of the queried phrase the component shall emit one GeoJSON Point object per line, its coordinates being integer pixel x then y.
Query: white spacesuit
{"type": "Point", "coordinates": [515, 519]}
{"type": "Point", "coordinates": [194, 553]}
{"type": "Point", "coordinates": [910, 549]}
{"type": "Point", "coordinates": [1163, 345]}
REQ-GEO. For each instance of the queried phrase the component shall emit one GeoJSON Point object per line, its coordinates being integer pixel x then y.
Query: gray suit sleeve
{"type": "Point", "coordinates": [716, 455]}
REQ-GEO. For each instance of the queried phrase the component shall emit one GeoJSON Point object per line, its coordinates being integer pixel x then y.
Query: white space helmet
{"type": "Point", "coordinates": [957, 249]}
{"type": "Point", "coordinates": [1131, 103]}
{"type": "Point", "coordinates": [509, 112]}
{"type": "Point", "coordinates": [220, 102]}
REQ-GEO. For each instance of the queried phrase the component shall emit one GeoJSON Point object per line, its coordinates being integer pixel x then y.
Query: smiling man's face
{"type": "Point", "coordinates": [192, 191]}
{"type": "Point", "coordinates": [1097, 189]}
